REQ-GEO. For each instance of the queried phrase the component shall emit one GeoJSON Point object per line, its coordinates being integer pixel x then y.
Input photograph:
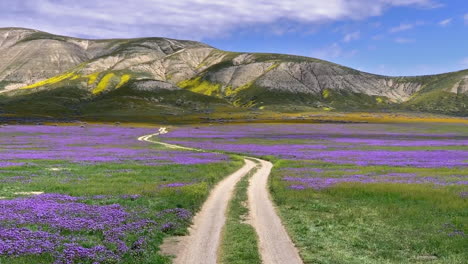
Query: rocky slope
{"type": "Point", "coordinates": [70, 71]}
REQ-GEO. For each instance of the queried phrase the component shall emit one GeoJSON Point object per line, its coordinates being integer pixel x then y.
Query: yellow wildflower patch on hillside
{"type": "Point", "coordinates": [228, 91]}
{"type": "Point", "coordinates": [52, 80]}
{"type": "Point", "coordinates": [272, 67]}
{"type": "Point", "coordinates": [123, 80]}
{"type": "Point", "coordinates": [232, 91]}
{"type": "Point", "coordinates": [92, 77]}
{"type": "Point", "coordinates": [77, 76]}
{"type": "Point", "coordinates": [200, 86]}
{"type": "Point", "coordinates": [325, 93]}
{"type": "Point", "coordinates": [102, 85]}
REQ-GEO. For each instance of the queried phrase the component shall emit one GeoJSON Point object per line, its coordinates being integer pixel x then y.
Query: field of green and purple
{"type": "Point", "coordinates": [360, 193]}
{"type": "Point", "coordinates": [95, 194]}
{"type": "Point", "coordinates": [347, 193]}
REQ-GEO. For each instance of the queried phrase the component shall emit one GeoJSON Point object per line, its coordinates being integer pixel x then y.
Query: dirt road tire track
{"type": "Point", "coordinates": [275, 245]}
{"type": "Point", "coordinates": [202, 244]}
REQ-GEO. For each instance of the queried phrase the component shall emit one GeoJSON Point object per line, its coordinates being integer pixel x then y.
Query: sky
{"type": "Point", "coordinates": [388, 37]}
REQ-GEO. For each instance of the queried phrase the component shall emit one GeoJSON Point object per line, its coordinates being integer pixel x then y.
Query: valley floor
{"type": "Point", "coordinates": [95, 194]}
{"type": "Point", "coordinates": [346, 193]}
{"type": "Point", "coordinates": [359, 193]}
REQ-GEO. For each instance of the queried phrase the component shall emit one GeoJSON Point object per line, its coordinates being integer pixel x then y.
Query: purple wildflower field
{"type": "Point", "coordinates": [357, 145]}
{"type": "Point", "coordinates": [317, 183]}
{"type": "Point", "coordinates": [58, 218]}
{"type": "Point", "coordinates": [104, 167]}
{"type": "Point", "coordinates": [92, 144]}
{"type": "Point", "coordinates": [156, 191]}
{"type": "Point", "coordinates": [338, 144]}
{"type": "Point", "coordinates": [359, 193]}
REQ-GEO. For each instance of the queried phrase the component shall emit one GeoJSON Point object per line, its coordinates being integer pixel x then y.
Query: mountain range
{"type": "Point", "coordinates": [46, 74]}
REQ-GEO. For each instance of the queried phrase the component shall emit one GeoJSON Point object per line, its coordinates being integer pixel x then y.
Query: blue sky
{"type": "Point", "coordinates": [390, 37]}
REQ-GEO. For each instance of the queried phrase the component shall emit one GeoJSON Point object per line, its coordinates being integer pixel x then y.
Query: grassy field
{"type": "Point", "coordinates": [354, 222]}
{"type": "Point", "coordinates": [136, 188]}
{"type": "Point", "coordinates": [96, 209]}
{"type": "Point", "coordinates": [360, 193]}
{"type": "Point", "coordinates": [348, 193]}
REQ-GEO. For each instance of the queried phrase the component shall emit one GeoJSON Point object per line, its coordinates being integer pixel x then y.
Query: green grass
{"type": "Point", "coordinates": [439, 101]}
{"type": "Point", "coordinates": [57, 102]}
{"type": "Point", "coordinates": [120, 104]}
{"type": "Point", "coordinates": [435, 97]}
{"type": "Point", "coordinates": [336, 100]}
{"type": "Point", "coordinates": [115, 179]}
{"type": "Point", "coordinates": [119, 178]}
{"type": "Point", "coordinates": [379, 222]}
{"type": "Point", "coordinates": [239, 240]}
{"type": "Point", "coordinates": [374, 223]}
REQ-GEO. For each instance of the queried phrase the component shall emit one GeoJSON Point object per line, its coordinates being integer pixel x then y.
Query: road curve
{"type": "Point", "coordinates": [201, 246]}
{"type": "Point", "coordinates": [147, 138]}
{"type": "Point", "coordinates": [275, 245]}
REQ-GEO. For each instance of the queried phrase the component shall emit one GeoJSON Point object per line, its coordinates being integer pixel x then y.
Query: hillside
{"type": "Point", "coordinates": [45, 74]}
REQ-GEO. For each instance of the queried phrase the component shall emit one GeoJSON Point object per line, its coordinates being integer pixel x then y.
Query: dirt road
{"type": "Point", "coordinates": [201, 246]}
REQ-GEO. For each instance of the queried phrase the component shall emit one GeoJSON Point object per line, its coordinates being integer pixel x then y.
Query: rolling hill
{"type": "Point", "coordinates": [45, 74]}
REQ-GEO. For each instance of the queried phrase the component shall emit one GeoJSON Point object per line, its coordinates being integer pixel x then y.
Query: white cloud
{"type": "Point", "coordinates": [466, 18]}
{"type": "Point", "coordinates": [352, 36]}
{"type": "Point", "coordinates": [194, 19]}
{"type": "Point", "coordinates": [332, 52]}
{"type": "Point", "coordinates": [404, 40]}
{"type": "Point", "coordinates": [445, 22]}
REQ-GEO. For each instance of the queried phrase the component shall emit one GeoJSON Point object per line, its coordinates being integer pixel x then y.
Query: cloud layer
{"type": "Point", "coordinates": [191, 19]}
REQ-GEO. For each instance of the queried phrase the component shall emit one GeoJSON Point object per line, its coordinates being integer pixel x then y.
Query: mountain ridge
{"type": "Point", "coordinates": [33, 62]}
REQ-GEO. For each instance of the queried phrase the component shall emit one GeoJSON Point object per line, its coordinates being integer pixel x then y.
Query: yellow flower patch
{"type": "Point", "coordinates": [123, 80]}
{"type": "Point", "coordinates": [52, 80]}
{"type": "Point", "coordinates": [103, 83]}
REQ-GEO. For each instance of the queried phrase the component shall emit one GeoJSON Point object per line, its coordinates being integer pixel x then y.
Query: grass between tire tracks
{"type": "Point", "coordinates": [239, 243]}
